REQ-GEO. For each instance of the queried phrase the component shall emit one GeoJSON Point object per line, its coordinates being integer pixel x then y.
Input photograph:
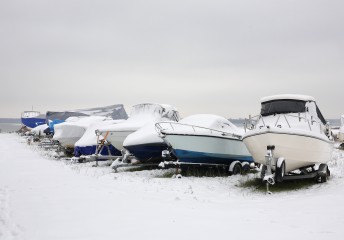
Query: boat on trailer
{"type": "Point", "coordinates": [143, 146]}
{"type": "Point", "coordinates": [290, 139]}
{"type": "Point", "coordinates": [87, 144]}
{"type": "Point", "coordinates": [141, 115]}
{"type": "Point", "coordinates": [206, 140]}
{"type": "Point", "coordinates": [70, 131]}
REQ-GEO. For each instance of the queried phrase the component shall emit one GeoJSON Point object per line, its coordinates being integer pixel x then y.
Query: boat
{"type": "Point", "coordinates": [87, 144]}
{"type": "Point", "coordinates": [289, 137]}
{"type": "Point", "coordinates": [70, 131]}
{"type": "Point", "coordinates": [39, 130]}
{"type": "Point", "coordinates": [145, 144]}
{"type": "Point", "coordinates": [205, 139]}
{"type": "Point", "coordinates": [116, 111]}
{"type": "Point", "coordinates": [32, 119]}
{"type": "Point", "coordinates": [141, 115]}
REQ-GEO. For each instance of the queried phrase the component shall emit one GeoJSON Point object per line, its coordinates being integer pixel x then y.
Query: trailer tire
{"type": "Point", "coordinates": [280, 171]}
{"type": "Point", "coordinates": [245, 168]}
{"type": "Point", "coordinates": [237, 169]}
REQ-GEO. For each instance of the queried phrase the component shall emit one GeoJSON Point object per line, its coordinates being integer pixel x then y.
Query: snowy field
{"type": "Point", "coordinates": [44, 198]}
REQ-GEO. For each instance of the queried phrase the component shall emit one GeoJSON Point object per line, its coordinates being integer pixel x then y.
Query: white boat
{"type": "Point", "coordinates": [87, 144]}
{"type": "Point", "coordinates": [207, 140]}
{"type": "Point", "coordinates": [141, 115]}
{"type": "Point", "coordinates": [291, 133]}
{"type": "Point", "coordinates": [70, 131]}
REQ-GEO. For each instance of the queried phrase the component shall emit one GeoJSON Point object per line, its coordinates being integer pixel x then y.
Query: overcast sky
{"type": "Point", "coordinates": [201, 56]}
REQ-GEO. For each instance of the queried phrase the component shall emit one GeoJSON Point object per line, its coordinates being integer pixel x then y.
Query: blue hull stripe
{"type": "Point", "coordinates": [209, 158]}
{"type": "Point", "coordinates": [147, 152]}
{"type": "Point", "coordinates": [89, 150]}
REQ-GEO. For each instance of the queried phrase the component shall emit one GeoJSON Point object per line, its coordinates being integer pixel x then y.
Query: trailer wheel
{"type": "Point", "coordinates": [237, 169]}
{"type": "Point", "coordinates": [280, 172]}
{"type": "Point", "coordinates": [245, 168]}
{"type": "Point", "coordinates": [324, 177]}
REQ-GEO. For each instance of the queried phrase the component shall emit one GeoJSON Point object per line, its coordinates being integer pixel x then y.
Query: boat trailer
{"type": "Point", "coordinates": [274, 171]}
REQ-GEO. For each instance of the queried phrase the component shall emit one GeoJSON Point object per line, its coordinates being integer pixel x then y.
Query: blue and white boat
{"type": "Point", "coordinates": [145, 144]}
{"type": "Point", "coordinates": [32, 119]}
{"type": "Point", "coordinates": [206, 140]}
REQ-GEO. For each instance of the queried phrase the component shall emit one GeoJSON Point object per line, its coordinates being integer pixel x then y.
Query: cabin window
{"type": "Point", "coordinates": [282, 106]}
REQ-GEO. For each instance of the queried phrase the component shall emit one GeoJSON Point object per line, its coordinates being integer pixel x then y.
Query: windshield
{"type": "Point", "coordinates": [282, 106]}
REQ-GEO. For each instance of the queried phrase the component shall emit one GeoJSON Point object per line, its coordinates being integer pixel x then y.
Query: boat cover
{"type": "Point", "coordinates": [114, 111]}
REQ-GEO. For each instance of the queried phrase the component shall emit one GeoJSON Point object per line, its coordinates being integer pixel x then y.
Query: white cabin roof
{"type": "Point", "coordinates": [288, 96]}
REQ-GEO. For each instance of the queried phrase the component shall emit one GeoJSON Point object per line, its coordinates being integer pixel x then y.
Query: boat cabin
{"type": "Point", "coordinates": [289, 103]}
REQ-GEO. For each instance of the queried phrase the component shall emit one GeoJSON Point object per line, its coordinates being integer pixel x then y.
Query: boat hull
{"type": "Point", "coordinates": [32, 122]}
{"type": "Point", "coordinates": [149, 152]}
{"type": "Point", "coordinates": [68, 135]}
{"type": "Point", "coordinates": [117, 138]}
{"type": "Point", "coordinates": [298, 150]}
{"type": "Point", "coordinates": [89, 150]}
{"type": "Point", "coordinates": [208, 149]}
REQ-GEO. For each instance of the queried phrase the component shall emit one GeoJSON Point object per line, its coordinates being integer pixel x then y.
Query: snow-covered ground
{"type": "Point", "coordinates": [43, 198]}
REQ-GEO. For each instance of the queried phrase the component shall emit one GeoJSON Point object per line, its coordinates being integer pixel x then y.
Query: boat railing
{"type": "Point", "coordinates": [172, 127]}
{"type": "Point", "coordinates": [252, 122]}
{"type": "Point", "coordinates": [30, 114]}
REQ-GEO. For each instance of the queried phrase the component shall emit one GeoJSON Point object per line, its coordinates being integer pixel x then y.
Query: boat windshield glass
{"type": "Point", "coordinates": [282, 106]}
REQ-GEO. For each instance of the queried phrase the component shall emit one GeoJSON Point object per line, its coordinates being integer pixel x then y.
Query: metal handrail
{"type": "Point", "coordinates": [159, 128]}
{"type": "Point", "coordinates": [260, 117]}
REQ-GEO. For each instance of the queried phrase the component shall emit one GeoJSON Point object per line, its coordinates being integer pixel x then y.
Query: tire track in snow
{"type": "Point", "coordinates": [8, 229]}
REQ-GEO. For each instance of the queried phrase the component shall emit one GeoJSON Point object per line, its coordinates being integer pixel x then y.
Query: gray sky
{"type": "Point", "coordinates": [215, 56]}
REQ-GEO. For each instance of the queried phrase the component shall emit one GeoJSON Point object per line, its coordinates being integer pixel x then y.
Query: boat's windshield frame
{"type": "Point", "coordinates": [282, 106]}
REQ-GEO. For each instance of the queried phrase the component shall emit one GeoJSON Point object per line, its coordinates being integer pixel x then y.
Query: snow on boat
{"type": "Point", "coordinates": [116, 111]}
{"type": "Point", "coordinates": [70, 131]}
{"type": "Point", "coordinates": [39, 130]}
{"type": "Point", "coordinates": [141, 115]}
{"type": "Point", "coordinates": [87, 144]}
{"type": "Point", "coordinates": [206, 139]}
{"type": "Point", "coordinates": [32, 119]}
{"type": "Point", "coordinates": [289, 134]}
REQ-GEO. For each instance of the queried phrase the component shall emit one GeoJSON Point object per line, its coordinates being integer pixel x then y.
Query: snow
{"type": "Point", "coordinates": [73, 129]}
{"type": "Point", "coordinates": [288, 96]}
{"type": "Point", "coordinates": [39, 130]}
{"type": "Point", "coordinates": [90, 138]}
{"type": "Point", "coordinates": [145, 135]}
{"type": "Point", "coordinates": [143, 114]}
{"type": "Point", "coordinates": [43, 198]}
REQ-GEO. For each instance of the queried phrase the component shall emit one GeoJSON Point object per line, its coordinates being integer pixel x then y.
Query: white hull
{"type": "Point", "coordinates": [209, 144]}
{"type": "Point", "coordinates": [208, 149]}
{"type": "Point", "coordinates": [69, 142]}
{"type": "Point", "coordinates": [298, 150]}
{"type": "Point", "coordinates": [117, 138]}
{"type": "Point", "coordinates": [68, 135]}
